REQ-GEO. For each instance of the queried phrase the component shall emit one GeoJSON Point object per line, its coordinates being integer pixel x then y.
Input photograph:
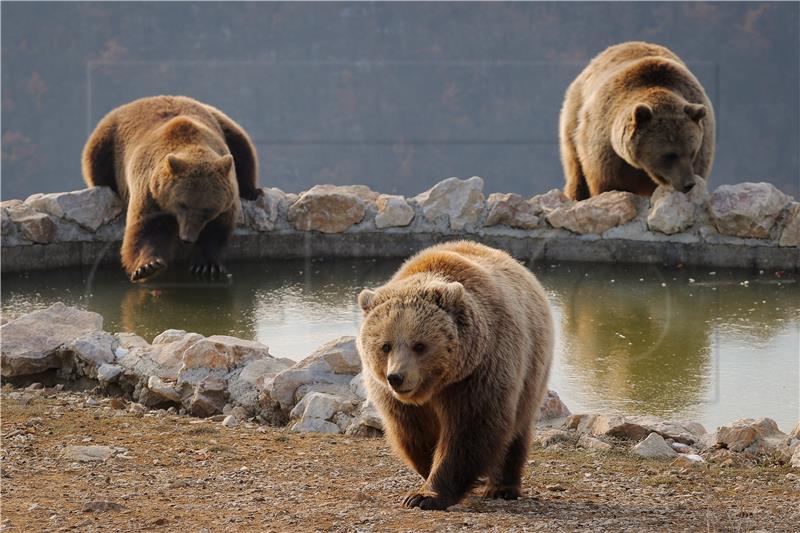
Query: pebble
{"type": "Point", "coordinates": [230, 421]}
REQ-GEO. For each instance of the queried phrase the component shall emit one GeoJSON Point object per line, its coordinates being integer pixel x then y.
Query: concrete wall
{"type": "Point", "coordinates": [392, 95]}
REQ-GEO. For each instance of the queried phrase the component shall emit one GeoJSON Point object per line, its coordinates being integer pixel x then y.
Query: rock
{"type": "Point", "coordinates": [92, 350]}
{"type": "Point", "coordinates": [460, 202]}
{"type": "Point", "coordinates": [245, 387]}
{"type": "Point", "coordinates": [206, 401]}
{"type": "Point", "coordinates": [552, 407]}
{"type": "Point", "coordinates": [635, 427]}
{"type": "Point", "coordinates": [795, 433]}
{"type": "Point", "coordinates": [749, 435]}
{"type": "Point", "coordinates": [32, 225]}
{"type": "Point", "coordinates": [654, 446]}
{"type": "Point", "coordinates": [108, 373]}
{"type": "Point", "coordinates": [327, 208]}
{"type": "Point", "coordinates": [101, 506]}
{"type": "Point", "coordinates": [746, 209]}
{"type": "Point", "coordinates": [321, 405]}
{"type": "Point", "coordinates": [790, 236]}
{"type": "Point", "coordinates": [357, 386]}
{"type": "Point", "coordinates": [32, 343]}
{"type": "Point", "coordinates": [597, 214]}
{"type": "Point", "coordinates": [688, 460]}
{"type": "Point", "coordinates": [87, 454]}
{"type": "Point", "coordinates": [548, 437]}
{"type": "Point", "coordinates": [393, 211]}
{"type": "Point", "coordinates": [89, 208]}
{"type": "Point", "coordinates": [220, 351]}
{"type": "Point", "coordinates": [315, 425]}
{"type": "Point", "coordinates": [591, 443]}
{"type": "Point", "coordinates": [673, 211]}
{"type": "Point", "coordinates": [230, 421]}
{"type": "Point", "coordinates": [137, 408]}
{"type": "Point", "coordinates": [168, 336]}
{"type": "Point", "coordinates": [334, 363]}
{"type": "Point", "coordinates": [511, 210]}
{"type": "Point", "coordinates": [549, 201]}
{"type": "Point", "coordinates": [795, 460]}
{"type": "Point", "coordinates": [262, 213]}
{"type": "Point", "coordinates": [367, 423]}
{"type": "Point", "coordinates": [163, 391]}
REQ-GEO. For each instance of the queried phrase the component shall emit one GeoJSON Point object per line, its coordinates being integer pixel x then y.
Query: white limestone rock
{"type": "Point", "coordinates": [746, 210]}
{"type": "Point", "coordinates": [330, 208]}
{"type": "Point", "coordinates": [674, 212]}
{"type": "Point", "coordinates": [597, 214]}
{"type": "Point", "coordinates": [458, 201]}
{"type": "Point", "coordinates": [393, 211]}
{"type": "Point", "coordinates": [33, 343]}
{"type": "Point", "coordinates": [89, 208]}
{"type": "Point", "coordinates": [511, 210]}
{"type": "Point", "coordinates": [654, 447]}
{"type": "Point", "coordinates": [334, 363]}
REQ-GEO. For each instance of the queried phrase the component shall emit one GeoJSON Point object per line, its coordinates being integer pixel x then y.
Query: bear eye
{"type": "Point", "coordinates": [386, 347]}
{"type": "Point", "coordinates": [419, 347]}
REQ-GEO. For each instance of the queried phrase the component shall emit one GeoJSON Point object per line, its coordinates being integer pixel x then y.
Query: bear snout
{"type": "Point", "coordinates": [395, 380]}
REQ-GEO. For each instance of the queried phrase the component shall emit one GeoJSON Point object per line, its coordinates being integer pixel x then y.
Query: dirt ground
{"type": "Point", "coordinates": [172, 473]}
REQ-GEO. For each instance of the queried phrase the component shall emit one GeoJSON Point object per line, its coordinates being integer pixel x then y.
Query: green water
{"type": "Point", "coordinates": [682, 343]}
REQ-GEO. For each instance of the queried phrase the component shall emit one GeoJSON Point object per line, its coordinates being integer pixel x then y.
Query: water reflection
{"type": "Point", "coordinates": [638, 339]}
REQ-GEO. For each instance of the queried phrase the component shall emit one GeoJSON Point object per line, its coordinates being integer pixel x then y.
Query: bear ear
{"type": "Point", "coordinates": [642, 114]}
{"type": "Point", "coordinates": [225, 163]}
{"type": "Point", "coordinates": [365, 300]}
{"type": "Point", "coordinates": [176, 164]}
{"type": "Point", "coordinates": [449, 296]}
{"type": "Point", "coordinates": [695, 111]}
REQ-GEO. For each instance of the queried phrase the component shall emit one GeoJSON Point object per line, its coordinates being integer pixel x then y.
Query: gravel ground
{"type": "Point", "coordinates": [168, 472]}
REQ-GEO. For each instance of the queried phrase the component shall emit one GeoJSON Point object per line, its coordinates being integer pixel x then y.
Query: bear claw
{"type": "Point", "coordinates": [504, 492]}
{"type": "Point", "coordinates": [428, 501]}
{"type": "Point", "coordinates": [212, 270]}
{"type": "Point", "coordinates": [148, 269]}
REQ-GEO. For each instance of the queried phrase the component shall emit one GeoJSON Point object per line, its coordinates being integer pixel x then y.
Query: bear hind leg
{"type": "Point", "coordinates": [505, 482]}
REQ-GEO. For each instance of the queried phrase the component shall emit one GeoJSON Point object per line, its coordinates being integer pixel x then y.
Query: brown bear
{"type": "Point", "coordinates": [456, 351]}
{"type": "Point", "coordinates": [634, 119]}
{"type": "Point", "coordinates": [181, 166]}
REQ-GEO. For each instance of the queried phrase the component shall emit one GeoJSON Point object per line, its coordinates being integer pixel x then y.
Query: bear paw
{"type": "Point", "coordinates": [504, 492]}
{"type": "Point", "coordinates": [148, 269]}
{"type": "Point", "coordinates": [428, 501]}
{"type": "Point", "coordinates": [208, 269]}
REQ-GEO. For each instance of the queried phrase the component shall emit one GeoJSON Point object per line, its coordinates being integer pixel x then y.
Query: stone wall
{"type": "Point", "coordinates": [745, 225]}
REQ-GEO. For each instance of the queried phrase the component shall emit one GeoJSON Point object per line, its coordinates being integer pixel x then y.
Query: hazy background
{"type": "Point", "coordinates": [396, 96]}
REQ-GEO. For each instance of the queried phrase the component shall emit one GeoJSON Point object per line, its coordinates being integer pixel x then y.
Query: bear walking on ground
{"type": "Point", "coordinates": [180, 166]}
{"type": "Point", "coordinates": [635, 118]}
{"type": "Point", "coordinates": [456, 351]}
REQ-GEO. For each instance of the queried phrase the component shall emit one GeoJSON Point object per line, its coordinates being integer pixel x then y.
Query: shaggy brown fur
{"type": "Point", "coordinates": [180, 165]}
{"type": "Point", "coordinates": [456, 349]}
{"type": "Point", "coordinates": [635, 118]}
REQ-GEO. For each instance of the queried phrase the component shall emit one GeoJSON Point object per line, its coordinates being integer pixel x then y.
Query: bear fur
{"type": "Point", "coordinates": [456, 351]}
{"type": "Point", "coordinates": [634, 119]}
{"type": "Point", "coordinates": [181, 166]}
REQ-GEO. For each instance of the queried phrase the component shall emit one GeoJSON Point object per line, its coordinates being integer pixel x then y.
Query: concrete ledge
{"type": "Point", "coordinates": [297, 244]}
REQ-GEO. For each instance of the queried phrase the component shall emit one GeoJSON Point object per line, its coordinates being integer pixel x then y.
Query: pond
{"type": "Point", "coordinates": [686, 343]}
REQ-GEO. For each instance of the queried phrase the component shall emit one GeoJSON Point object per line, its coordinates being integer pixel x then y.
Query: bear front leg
{"type": "Point", "coordinates": [148, 243]}
{"type": "Point", "coordinates": [467, 448]}
{"type": "Point", "coordinates": [207, 252]}
{"type": "Point", "coordinates": [413, 432]}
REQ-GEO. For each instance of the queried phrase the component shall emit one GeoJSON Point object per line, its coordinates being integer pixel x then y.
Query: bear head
{"type": "Point", "coordinates": [409, 340]}
{"type": "Point", "coordinates": [195, 189]}
{"type": "Point", "coordinates": [661, 134]}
